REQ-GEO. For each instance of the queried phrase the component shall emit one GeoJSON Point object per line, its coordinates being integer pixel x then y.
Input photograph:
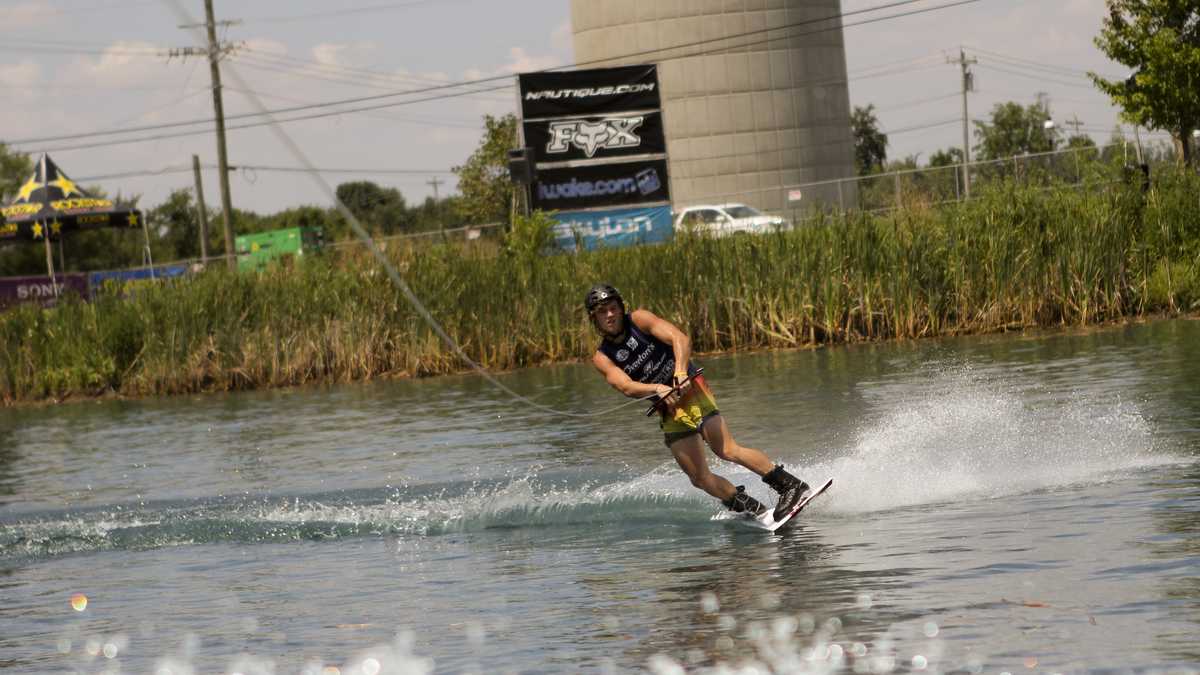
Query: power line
{"type": "Point", "coordinates": [278, 68]}
{"type": "Point", "coordinates": [299, 169]}
{"type": "Point", "coordinates": [170, 169]}
{"type": "Point", "coordinates": [1039, 77]}
{"type": "Point", "coordinates": [424, 121]}
{"type": "Point", "coordinates": [366, 73]}
{"type": "Point", "coordinates": [1036, 65]}
{"type": "Point", "coordinates": [250, 125]}
{"type": "Point", "coordinates": [483, 81]}
{"type": "Point", "coordinates": [340, 12]}
{"type": "Point", "coordinates": [52, 47]}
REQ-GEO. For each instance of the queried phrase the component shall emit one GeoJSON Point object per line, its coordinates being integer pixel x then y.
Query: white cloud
{"type": "Point", "coordinates": [27, 15]}
{"type": "Point", "coordinates": [121, 64]}
{"type": "Point", "coordinates": [353, 55]}
{"type": "Point", "coordinates": [20, 76]}
{"type": "Point", "coordinates": [563, 39]}
{"type": "Point", "coordinates": [263, 45]}
{"type": "Point", "coordinates": [521, 62]}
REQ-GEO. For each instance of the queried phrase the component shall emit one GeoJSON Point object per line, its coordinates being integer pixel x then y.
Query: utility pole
{"type": "Point", "coordinates": [202, 211]}
{"type": "Point", "coordinates": [214, 56]}
{"type": "Point", "coordinates": [1074, 121]}
{"type": "Point", "coordinates": [214, 53]}
{"type": "Point", "coordinates": [435, 182]}
{"type": "Point", "coordinates": [968, 84]}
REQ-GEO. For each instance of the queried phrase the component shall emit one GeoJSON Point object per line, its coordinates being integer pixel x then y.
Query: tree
{"type": "Point", "coordinates": [383, 209]}
{"type": "Point", "coordinates": [870, 144]}
{"type": "Point", "coordinates": [483, 179]}
{"type": "Point", "coordinates": [177, 225]}
{"type": "Point", "coordinates": [1015, 130]}
{"type": "Point", "coordinates": [15, 169]}
{"type": "Point", "coordinates": [947, 157]}
{"type": "Point", "coordinates": [1160, 41]}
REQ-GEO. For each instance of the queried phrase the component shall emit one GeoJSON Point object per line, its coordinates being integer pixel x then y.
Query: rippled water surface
{"type": "Point", "coordinates": [1006, 503]}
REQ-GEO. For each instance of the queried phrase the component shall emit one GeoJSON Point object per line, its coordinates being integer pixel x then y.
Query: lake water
{"type": "Point", "coordinates": [1001, 504]}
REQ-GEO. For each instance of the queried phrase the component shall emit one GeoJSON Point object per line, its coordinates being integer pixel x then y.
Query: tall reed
{"type": "Point", "coordinates": [1015, 257]}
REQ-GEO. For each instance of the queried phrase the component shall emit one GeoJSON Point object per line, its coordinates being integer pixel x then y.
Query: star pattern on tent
{"type": "Point", "coordinates": [37, 230]}
{"type": "Point", "coordinates": [67, 186]}
{"type": "Point", "coordinates": [55, 227]}
{"type": "Point", "coordinates": [133, 220]}
{"type": "Point", "coordinates": [27, 189]}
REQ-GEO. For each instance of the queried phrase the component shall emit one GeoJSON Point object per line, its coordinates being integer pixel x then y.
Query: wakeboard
{"type": "Point", "coordinates": [767, 520]}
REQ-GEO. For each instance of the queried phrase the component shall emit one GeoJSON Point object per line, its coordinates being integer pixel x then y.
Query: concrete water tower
{"type": "Point", "coordinates": [754, 92]}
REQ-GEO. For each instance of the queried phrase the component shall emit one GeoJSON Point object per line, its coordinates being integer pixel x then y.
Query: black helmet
{"type": "Point", "coordinates": [602, 293]}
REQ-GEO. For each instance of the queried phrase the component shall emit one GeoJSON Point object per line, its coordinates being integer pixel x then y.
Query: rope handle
{"type": "Point", "coordinates": [652, 409]}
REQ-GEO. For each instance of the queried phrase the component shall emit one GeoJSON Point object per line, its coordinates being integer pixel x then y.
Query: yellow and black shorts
{"type": "Point", "coordinates": [688, 416]}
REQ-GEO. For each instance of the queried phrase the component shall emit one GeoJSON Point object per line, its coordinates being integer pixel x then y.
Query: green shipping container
{"type": "Point", "coordinates": [256, 251]}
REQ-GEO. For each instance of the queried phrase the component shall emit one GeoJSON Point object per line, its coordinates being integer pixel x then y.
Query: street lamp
{"type": "Point", "coordinates": [1048, 127]}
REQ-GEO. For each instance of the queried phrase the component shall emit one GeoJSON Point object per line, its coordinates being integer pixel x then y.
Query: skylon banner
{"type": "Point", "coordinates": [615, 227]}
{"type": "Point", "coordinates": [584, 138]}
{"type": "Point", "coordinates": [596, 91]}
{"type": "Point", "coordinates": [126, 281]}
{"type": "Point", "coordinates": [598, 185]}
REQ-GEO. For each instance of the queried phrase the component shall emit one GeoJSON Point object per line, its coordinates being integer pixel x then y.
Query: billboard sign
{"type": "Point", "coordinates": [597, 185]}
{"type": "Point", "coordinates": [596, 91]}
{"type": "Point", "coordinates": [612, 228]}
{"type": "Point", "coordinates": [41, 289]}
{"type": "Point", "coordinates": [585, 138]}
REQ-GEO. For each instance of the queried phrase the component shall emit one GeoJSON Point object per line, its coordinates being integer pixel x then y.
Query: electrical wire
{"type": "Point", "coordinates": [487, 80]}
{"type": "Point", "coordinates": [1038, 77]}
{"type": "Point", "coordinates": [1035, 65]}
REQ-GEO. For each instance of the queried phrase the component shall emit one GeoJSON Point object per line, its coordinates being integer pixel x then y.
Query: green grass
{"type": "Point", "coordinates": [1014, 257]}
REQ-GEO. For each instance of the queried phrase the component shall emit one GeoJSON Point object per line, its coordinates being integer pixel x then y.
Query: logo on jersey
{"type": "Point", "coordinates": [623, 355]}
{"type": "Point", "coordinates": [631, 342]}
{"type": "Point", "coordinates": [609, 134]}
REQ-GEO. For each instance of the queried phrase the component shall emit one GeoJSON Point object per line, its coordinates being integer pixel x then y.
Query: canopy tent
{"type": "Point", "coordinates": [50, 204]}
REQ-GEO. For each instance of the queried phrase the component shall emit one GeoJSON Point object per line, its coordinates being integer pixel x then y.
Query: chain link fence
{"type": "Point", "coordinates": [932, 185]}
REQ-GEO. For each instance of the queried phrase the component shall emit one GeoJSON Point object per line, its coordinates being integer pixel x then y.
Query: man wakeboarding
{"type": "Point", "coordinates": [642, 355]}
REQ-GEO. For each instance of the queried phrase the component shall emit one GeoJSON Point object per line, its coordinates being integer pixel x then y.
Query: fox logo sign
{"type": "Point", "coordinates": [613, 132]}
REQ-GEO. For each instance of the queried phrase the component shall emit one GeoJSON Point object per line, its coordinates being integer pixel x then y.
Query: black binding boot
{"type": "Point", "coordinates": [790, 489]}
{"type": "Point", "coordinates": [741, 502]}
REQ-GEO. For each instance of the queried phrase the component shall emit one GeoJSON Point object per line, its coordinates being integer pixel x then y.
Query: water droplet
{"type": "Point", "coordinates": [864, 601]}
{"type": "Point", "coordinates": [919, 662]}
{"type": "Point", "coordinates": [475, 633]}
{"type": "Point", "coordinates": [709, 602]}
{"type": "Point", "coordinates": [79, 602]}
{"type": "Point", "coordinates": [931, 629]}
{"type": "Point", "coordinates": [806, 624]}
{"type": "Point", "coordinates": [370, 666]}
{"type": "Point", "coordinates": [110, 650]}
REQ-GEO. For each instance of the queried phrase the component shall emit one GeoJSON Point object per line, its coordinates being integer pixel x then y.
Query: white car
{"type": "Point", "coordinates": [725, 219]}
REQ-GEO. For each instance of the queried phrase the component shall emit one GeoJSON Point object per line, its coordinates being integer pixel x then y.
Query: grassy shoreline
{"type": "Point", "coordinates": [1017, 257]}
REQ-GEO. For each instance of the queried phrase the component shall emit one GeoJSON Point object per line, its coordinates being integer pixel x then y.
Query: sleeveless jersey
{"type": "Point", "coordinates": [642, 356]}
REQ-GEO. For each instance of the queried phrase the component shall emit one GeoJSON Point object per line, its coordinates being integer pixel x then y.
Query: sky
{"type": "Point", "coordinates": [72, 68]}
